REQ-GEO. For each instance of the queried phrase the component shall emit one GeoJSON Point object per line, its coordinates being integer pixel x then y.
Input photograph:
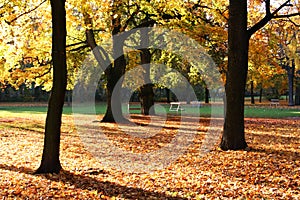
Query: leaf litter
{"type": "Point", "coordinates": [269, 169]}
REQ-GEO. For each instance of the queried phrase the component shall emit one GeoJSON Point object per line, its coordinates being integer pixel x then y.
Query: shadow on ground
{"type": "Point", "coordinates": [85, 182]}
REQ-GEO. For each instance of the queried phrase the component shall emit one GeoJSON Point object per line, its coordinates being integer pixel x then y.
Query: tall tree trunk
{"type": "Point", "coordinates": [251, 92]}
{"type": "Point", "coordinates": [168, 94]}
{"type": "Point", "coordinates": [113, 72]}
{"type": "Point", "coordinates": [146, 93]}
{"type": "Point", "coordinates": [206, 95]}
{"type": "Point", "coordinates": [260, 94]}
{"type": "Point", "coordinates": [147, 99]}
{"type": "Point", "coordinates": [291, 75]}
{"type": "Point", "coordinates": [233, 137]}
{"type": "Point", "coordinates": [50, 159]}
{"type": "Point", "coordinates": [297, 95]}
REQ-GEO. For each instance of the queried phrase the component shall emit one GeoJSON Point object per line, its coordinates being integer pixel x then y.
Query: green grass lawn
{"type": "Point", "coordinates": [250, 111]}
{"type": "Point", "coordinates": [265, 112]}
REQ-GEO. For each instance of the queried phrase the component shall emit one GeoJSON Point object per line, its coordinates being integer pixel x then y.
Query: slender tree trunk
{"type": "Point", "coordinates": [114, 74]}
{"type": "Point", "coordinates": [146, 98]}
{"type": "Point", "coordinates": [206, 95]}
{"type": "Point", "coordinates": [168, 94]}
{"type": "Point", "coordinates": [260, 94]}
{"type": "Point", "coordinates": [252, 93]}
{"type": "Point", "coordinates": [233, 137]}
{"type": "Point", "coordinates": [50, 159]}
{"type": "Point", "coordinates": [146, 93]}
{"type": "Point", "coordinates": [297, 95]}
{"type": "Point", "coordinates": [291, 75]}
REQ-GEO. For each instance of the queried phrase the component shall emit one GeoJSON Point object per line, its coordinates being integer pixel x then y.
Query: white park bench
{"type": "Point", "coordinates": [176, 106]}
{"type": "Point", "coordinates": [274, 102]}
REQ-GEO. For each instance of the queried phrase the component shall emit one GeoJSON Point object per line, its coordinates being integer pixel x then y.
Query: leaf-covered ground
{"type": "Point", "coordinates": [270, 169]}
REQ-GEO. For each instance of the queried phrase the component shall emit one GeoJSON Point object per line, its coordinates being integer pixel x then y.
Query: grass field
{"type": "Point", "coordinates": [258, 111]}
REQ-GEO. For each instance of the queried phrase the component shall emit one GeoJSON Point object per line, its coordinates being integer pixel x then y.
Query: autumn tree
{"type": "Point", "coordinates": [50, 159]}
{"type": "Point", "coordinates": [123, 17]}
{"type": "Point", "coordinates": [288, 40]}
{"type": "Point", "coordinates": [25, 29]}
{"type": "Point", "coordinates": [239, 34]}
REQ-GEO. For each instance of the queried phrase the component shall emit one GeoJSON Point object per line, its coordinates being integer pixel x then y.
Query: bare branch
{"type": "Point", "coordinates": [75, 44]}
{"type": "Point", "coordinates": [146, 23]}
{"type": "Point", "coordinates": [75, 38]}
{"type": "Point", "coordinates": [280, 7]}
{"type": "Point", "coordinates": [222, 13]}
{"type": "Point", "coordinates": [25, 13]}
{"type": "Point", "coordinates": [294, 23]}
{"type": "Point", "coordinates": [199, 5]}
{"type": "Point", "coordinates": [259, 25]}
{"type": "Point", "coordinates": [42, 62]}
{"type": "Point", "coordinates": [43, 74]}
{"type": "Point", "coordinates": [269, 16]}
{"type": "Point", "coordinates": [268, 7]}
{"type": "Point", "coordinates": [286, 16]}
{"type": "Point", "coordinates": [4, 4]}
{"type": "Point", "coordinates": [79, 48]}
{"type": "Point", "coordinates": [131, 18]}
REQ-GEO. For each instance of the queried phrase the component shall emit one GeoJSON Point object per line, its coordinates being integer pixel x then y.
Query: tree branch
{"type": "Point", "coordinates": [146, 24]}
{"type": "Point", "coordinates": [198, 5]}
{"type": "Point", "coordinates": [294, 23]}
{"type": "Point", "coordinates": [79, 48]}
{"type": "Point", "coordinates": [4, 4]}
{"type": "Point", "coordinates": [75, 44]}
{"type": "Point", "coordinates": [268, 7]}
{"type": "Point", "coordinates": [25, 13]}
{"type": "Point", "coordinates": [269, 16]}
{"type": "Point", "coordinates": [259, 25]}
{"type": "Point", "coordinates": [222, 13]}
{"type": "Point", "coordinates": [131, 18]}
{"type": "Point", "coordinates": [43, 62]}
{"type": "Point", "coordinates": [286, 16]}
{"type": "Point", "coordinates": [43, 74]}
{"type": "Point", "coordinates": [75, 38]}
{"type": "Point", "coordinates": [99, 53]}
{"type": "Point", "coordinates": [280, 7]}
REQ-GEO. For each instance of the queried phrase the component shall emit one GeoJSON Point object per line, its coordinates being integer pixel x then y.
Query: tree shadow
{"type": "Point", "coordinates": [274, 141]}
{"type": "Point", "coordinates": [279, 154]}
{"type": "Point", "coordinates": [85, 182]}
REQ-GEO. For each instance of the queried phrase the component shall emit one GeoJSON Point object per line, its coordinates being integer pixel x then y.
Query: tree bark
{"type": "Point", "coordinates": [233, 137]}
{"type": "Point", "coordinates": [146, 93]}
{"type": "Point", "coordinates": [260, 94]}
{"type": "Point", "coordinates": [206, 95]}
{"type": "Point", "coordinates": [50, 159]}
{"type": "Point", "coordinates": [291, 75]}
{"type": "Point", "coordinates": [147, 100]}
{"type": "Point", "coordinates": [168, 95]}
{"type": "Point", "coordinates": [251, 92]}
{"type": "Point", "coordinates": [297, 95]}
{"type": "Point", "coordinates": [114, 73]}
